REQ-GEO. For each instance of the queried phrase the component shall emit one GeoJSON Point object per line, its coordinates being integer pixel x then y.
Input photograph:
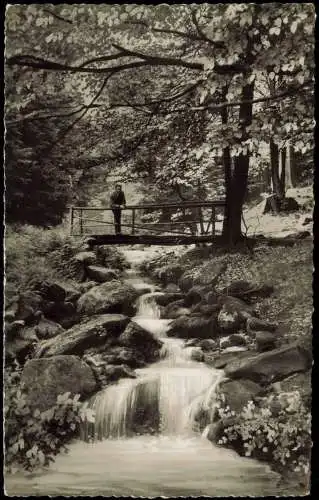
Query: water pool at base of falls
{"type": "Point", "coordinates": [175, 460]}
{"type": "Point", "coordinates": [149, 466]}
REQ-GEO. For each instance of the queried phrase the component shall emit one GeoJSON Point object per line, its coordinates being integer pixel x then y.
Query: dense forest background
{"type": "Point", "coordinates": [180, 101]}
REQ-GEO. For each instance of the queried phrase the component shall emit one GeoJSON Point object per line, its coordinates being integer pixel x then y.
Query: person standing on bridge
{"type": "Point", "coordinates": [118, 202]}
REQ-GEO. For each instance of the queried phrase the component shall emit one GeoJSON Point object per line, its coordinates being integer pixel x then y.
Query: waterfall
{"type": "Point", "coordinates": [165, 397]}
{"type": "Point", "coordinates": [147, 443]}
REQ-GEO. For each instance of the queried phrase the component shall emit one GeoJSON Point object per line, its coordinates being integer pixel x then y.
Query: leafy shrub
{"type": "Point", "coordinates": [280, 434]}
{"type": "Point", "coordinates": [38, 254]}
{"type": "Point", "coordinates": [33, 438]}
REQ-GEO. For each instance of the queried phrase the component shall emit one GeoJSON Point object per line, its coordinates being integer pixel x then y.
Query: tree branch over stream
{"type": "Point", "coordinates": [38, 63]}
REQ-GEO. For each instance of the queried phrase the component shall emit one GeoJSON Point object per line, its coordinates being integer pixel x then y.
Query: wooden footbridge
{"type": "Point", "coordinates": [182, 223]}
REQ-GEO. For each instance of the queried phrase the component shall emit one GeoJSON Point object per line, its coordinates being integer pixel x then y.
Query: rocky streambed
{"type": "Point", "coordinates": [89, 338]}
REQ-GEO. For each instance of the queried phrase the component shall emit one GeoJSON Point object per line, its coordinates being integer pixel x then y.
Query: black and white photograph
{"type": "Point", "coordinates": [158, 249]}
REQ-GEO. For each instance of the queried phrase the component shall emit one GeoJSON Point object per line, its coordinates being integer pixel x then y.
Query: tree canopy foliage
{"type": "Point", "coordinates": [175, 93]}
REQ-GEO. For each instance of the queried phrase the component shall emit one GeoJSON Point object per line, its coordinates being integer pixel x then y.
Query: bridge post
{"type": "Point", "coordinates": [71, 220]}
{"type": "Point", "coordinates": [213, 220]}
{"type": "Point", "coordinates": [81, 222]}
{"type": "Point", "coordinates": [133, 221]}
{"type": "Point", "coordinates": [201, 223]}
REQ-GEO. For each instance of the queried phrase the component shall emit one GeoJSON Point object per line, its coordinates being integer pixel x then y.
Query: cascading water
{"type": "Point", "coordinates": [169, 458]}
{"type": "Point", "coordinates": [174, 387]}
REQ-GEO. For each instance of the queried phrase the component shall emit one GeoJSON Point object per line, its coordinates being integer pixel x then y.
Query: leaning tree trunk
{"type": "Point", "coordinates": [238, 186]}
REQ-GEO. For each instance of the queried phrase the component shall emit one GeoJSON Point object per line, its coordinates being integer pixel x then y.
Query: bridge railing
{"type": "Point", "coordinates": [196, 218]}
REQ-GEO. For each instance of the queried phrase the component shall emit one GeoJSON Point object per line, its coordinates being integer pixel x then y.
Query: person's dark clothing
{"type": "Point", "coordinates": [117, 212]}
{"type": "Point", "coordinates": [117, 199]}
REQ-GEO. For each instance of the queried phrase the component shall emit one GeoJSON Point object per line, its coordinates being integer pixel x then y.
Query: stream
{"type": "Point", "coordinates": [175, 460]}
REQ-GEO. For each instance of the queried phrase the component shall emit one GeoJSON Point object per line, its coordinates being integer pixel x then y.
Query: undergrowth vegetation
{"type": "Point", "coordinates": [33, 438]}
{"type": "Point", "coordinates": [278, 433]}
{"type": "Point", "coordinates": [36, 254]}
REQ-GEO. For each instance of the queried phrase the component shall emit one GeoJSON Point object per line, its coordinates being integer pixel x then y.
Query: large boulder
{"type": "Point", "coordinates": [215, 431]}
{"type": "Point", "coordinates": [189, 327]}
{"type": "Point", "coordinates": [47, 329]}
{"type": "Point", "coordinates": [195, 353]}
{"type": "Point", "coordinates": [237, 393]}
{"type": "Point", "coordinates": [50, 291]}
{"type": "Point", "coordinates": [20, 350]}
{"type": "Point", "coordinates": [234, 313]}
{"type": "Point", "coordinates": [246, 290]}
{"type": "Point", "coordinates": [189, 278]}
{"type": "Point", "coordinates": [113, 373]}
{"type": "Point", "coordinates": [72, 292]}
{"type": "Point", "coordinates": [164, 299]}
{"type": "Point", "coordinates": [206, 309]}
{"type": "Point", "coordinates": [172, 288]}
{"type": "Point", "coordinates": [298, 382]}
{"type": "Point", "coordinates": [273, 365]}
{"type": "Point", "coordinates": [95, 332]}
{"type": "Point", "coordinates": [275, 203]}
{"type": "Point", "coordinates": [236, 339]}
{"type": "Point", "coordinates": [169, 273]}
{"type": "Point", "coordinates": [119, 355]}
{"type": "Point", "coordinates": [111, 297]}
{"type": "Point", "coordinates": [105, 373]}
{"type": "Point", "coordinates": [134, 336]}
{"type": "Point", "coordinates": [64, 313]}
{"type": "Point", "coordinates": [195, 295]}
{"type": "Point", "coordinates": [101, 274]}
{"type": "Point", "coordinates": [224, 358]}
{"type": "Point", "coordinates": [28, 303]}
{"type": "Point", "coordinates": [256, 324]}
{"type": "Point", "coordinates": [20, 341]}
{"type": "Point", "coordinates": [265, 341]}
{"type": "Point", "coordinates": [46, 378]}
{"type": "Point", "coordinates": [195, 276]}
{"type": "Point", "coordinates": [12, 330]}
{"type": "Point", "coordinates": [85, 258]}
{"type": "Point", "coordinates": [174, 310]}
{"type": "Point", "coordinates": [111, 257]}
{"type": "Point", "coordinates": [208, 345]}
{"type": "Point", "coordinates": [237, 306]}
{"type": "Point", "coordinates": [229, 321]}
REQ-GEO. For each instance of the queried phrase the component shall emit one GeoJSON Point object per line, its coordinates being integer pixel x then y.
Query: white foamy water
{"type": "Point", "coordinates": [176, 461]}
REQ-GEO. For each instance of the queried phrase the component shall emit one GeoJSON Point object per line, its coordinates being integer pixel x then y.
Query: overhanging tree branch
{"type": "Point", "coordinates": [72, 125]}
{"type": "Point", "coordinates": [38, 63]}
{"type": "Point", "coordinates": [60, 18]}
{"type": "Point", "coordinates": [200, 37]}
{"type": "Point", "coordinates": [288, 92]}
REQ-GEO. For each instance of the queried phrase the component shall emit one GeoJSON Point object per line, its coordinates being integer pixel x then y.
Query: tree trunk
{"type": "Point", "coordinates": [292, 166]}
{"type": "Point", "coordinates": [228, 199]}
{"type": "Point", "coordinates": [283, 157]}
{"type": "Point", "coordinates": [275, 177]}
{"type": "Point", "coordinates": [288, 168]}
{"type": "Point", "coordinates": [237, 187]}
